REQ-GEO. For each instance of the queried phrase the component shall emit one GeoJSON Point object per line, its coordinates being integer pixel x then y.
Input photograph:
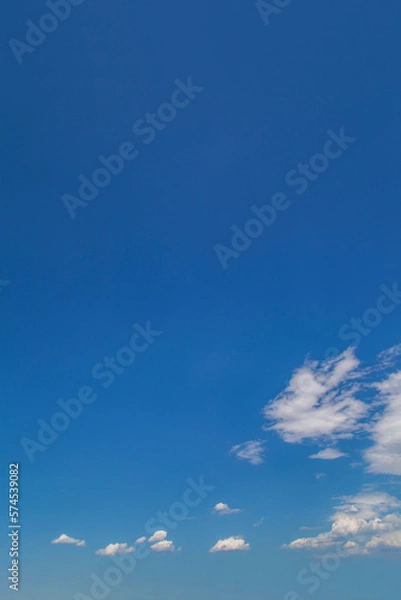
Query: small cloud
{"type": "Point", "coordinates": [66, 539]}
{"type": "Point", "coordinates": [258, 523]}
{"type": "Point", "coordinates": [141, 540]}
{"type": "Point", "coordinates": [224, 509]}
{"type": "Point", "coordinates": [328, 454]}
{"type": "Point", "coordinates": [113, 549]}
{"type": "Point", "coordinates": [158, 536]}
{"type": "Point", "coordinates": [251, 451]}
{"type": "Point", "coordinates": [163, 546]}
{"type": "Point", "coordinates": [320, 475]}
{"type": "Point", "coordinates": [230, 544]}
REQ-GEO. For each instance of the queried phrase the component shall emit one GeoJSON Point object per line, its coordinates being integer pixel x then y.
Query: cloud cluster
{"type": "Point", "coordinates": [322, 403]}
{"type": "Point", "coordinates": [230, 544]}
{"type": "Point", "coordinates": [361, 523]}
{"type": "Point", "coordinates": [157, 541]}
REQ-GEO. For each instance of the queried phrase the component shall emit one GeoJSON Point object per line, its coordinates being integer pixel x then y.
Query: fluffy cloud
{"type": "Point", "coordinates": [322, 402]}
{"type": "Point", "coordinates": [141, 540]}
{"type": "Point", "coordinates": [391, 539]}
{"type": "Point", "coordinates": [385, 454]}
{"type": "Point", "coordinates": [366, 519]}
{"type": "Point", "coordinates": [65, 539]}
{"type": "Point", "coordinates": [328, 454]}
{"type": "Point", "coordinates": [230, 544]}
{"type": "Point", "coordinates": [163, 546]}
{"type": "Point", "coordinates": [224, 509]}
{"type": "Point", "coordinates": [113, 549]}
{"type": "Point", "coordinates": [158, 536]}
{"type": "Point", "coordinates": [319, 401]}
{"type": "Point", "coordinates": [251, 451]}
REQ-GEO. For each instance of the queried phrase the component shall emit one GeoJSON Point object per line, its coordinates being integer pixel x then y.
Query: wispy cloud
{"type": "Point", "coordinates": [387, 358]}
{"type": "Point", "coordinates": [328, 454]}
{"type": "Point", "coordinates": [259, 523]}
{"type": "Point", "coordinates": [251, 451]}
{"type": "Point", "coordinates": [319, 401]}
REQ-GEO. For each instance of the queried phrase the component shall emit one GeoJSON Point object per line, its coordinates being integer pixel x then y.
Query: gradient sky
{"type": "Point", "coordinates": [233, 339]}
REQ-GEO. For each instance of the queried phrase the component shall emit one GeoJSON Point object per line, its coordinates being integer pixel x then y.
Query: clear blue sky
{"type": "Point", "coordinates": [233, 339]}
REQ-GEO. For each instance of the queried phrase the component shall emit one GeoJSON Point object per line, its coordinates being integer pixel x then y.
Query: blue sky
{"type": "Point", "coordinates": [235, 383]}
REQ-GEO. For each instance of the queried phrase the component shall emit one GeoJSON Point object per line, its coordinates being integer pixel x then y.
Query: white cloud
{"type": "Point", "coordinates": [158, 536]}
{"type": "Point", "coordinates": [141, 540]}
{"type": "Point", "coordinates": [113, 549]}
{"type": "Point", "coordinates": [251, 451]}
{"type": "Point", "coordinates": [258, 523]}
{"type": "Point", "coordinates": [163, 546]}
{"type": "Point", "coordinates": [391, 539]}
{"type": "Point", "coordinates": [224, 509]}
{"type": "Point", "coordinates": [365, 518]}
{"type": "Point", "coordinates": [388, 357]}
{"type": "Point", "coordinates": [385, 454]}
{"type": "Point", "coordinates": [65, 539]}
{"type": "Point", "coordinates": [328, 454]}
{"type": "Point", "coordinates": [230, 544]}
{"type": "Point", "coordinates": [319, 401]}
